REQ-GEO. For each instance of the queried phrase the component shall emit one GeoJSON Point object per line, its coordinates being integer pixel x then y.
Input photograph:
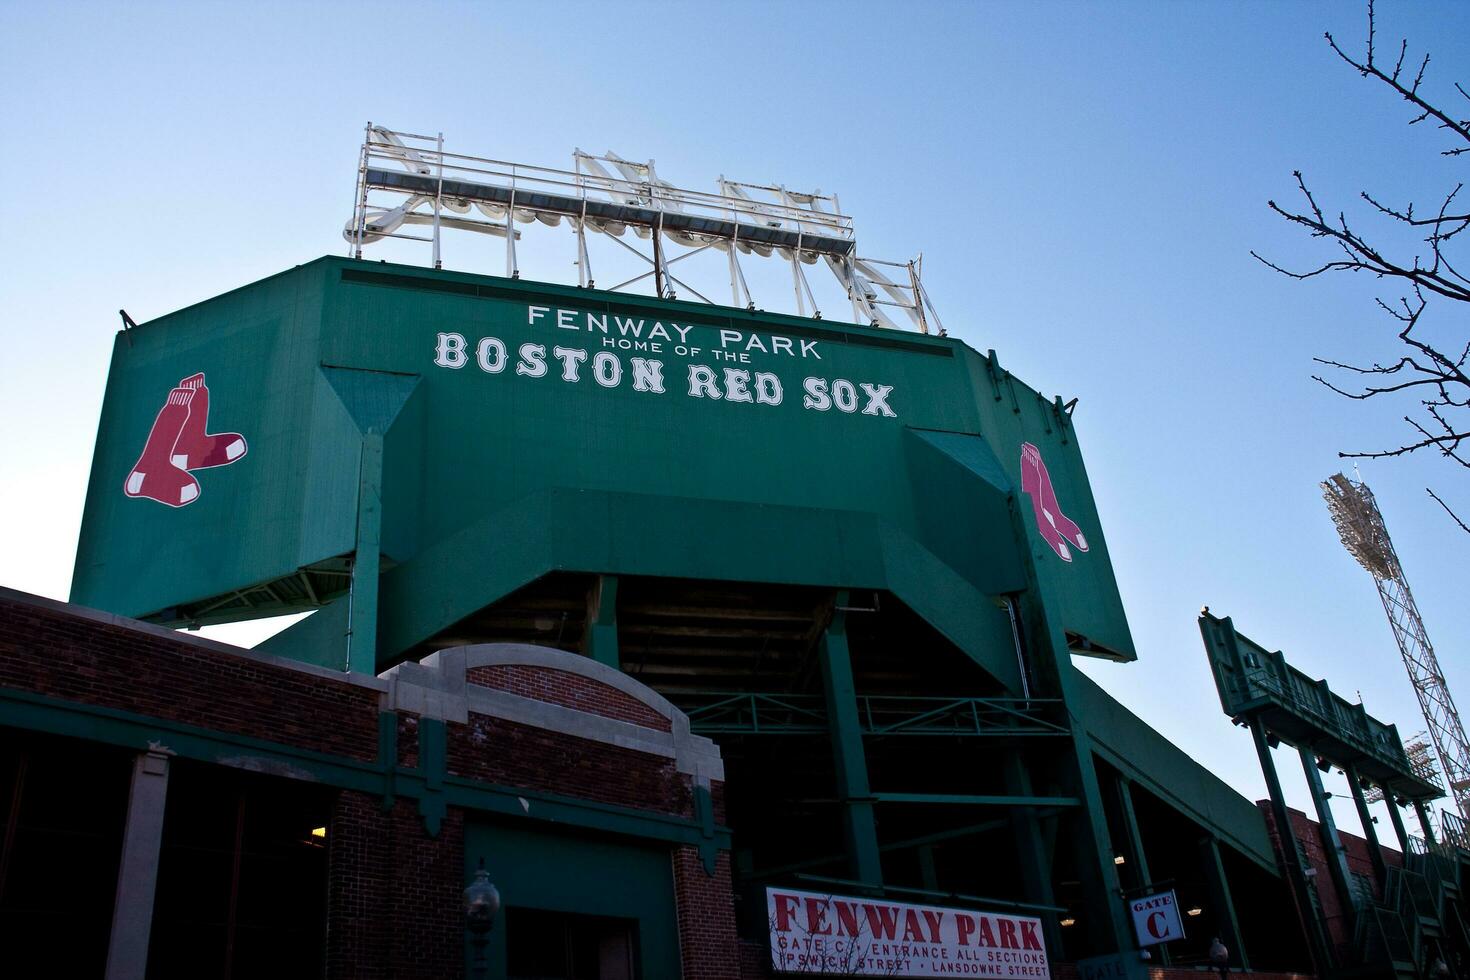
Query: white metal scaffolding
{"type": "Point", "coordinates": [409, 180]}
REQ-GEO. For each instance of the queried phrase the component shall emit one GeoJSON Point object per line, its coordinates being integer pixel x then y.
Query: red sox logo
{"type": "Point", "coordinates": [180, 443]}
{"type": "Point", "coordinates": [1056, 528]}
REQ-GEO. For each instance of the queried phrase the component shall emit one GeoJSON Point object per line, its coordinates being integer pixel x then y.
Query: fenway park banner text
{"type": "Point", "coordinates": [814, 933]}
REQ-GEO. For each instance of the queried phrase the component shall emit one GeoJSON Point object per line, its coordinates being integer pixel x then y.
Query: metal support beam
{"type": "Point", "coordinates": [1422, 812]}
{"type": "Point", "coordinates": [1337, 866]}
{"type": "Point", "coordinates": [362, 616]}
{"type": "Point", "coordinates": [928, 873]}
{"type": "Point", "coordinates": [601, 643]}
{"type": "Point", "coordinates": [1222, 902]}
{"type": "Point", "coordinates": [137, 873]}
{"type": "Point", "coordinates": [1398, 823]}
{"type": "Point", "coordinates": [1031, 850]}
{"type": "Point", "coordinates": [1134, 855]}
{"type": "Point", "coordinates": [1370, 832]}
{"type": "Point", "coordinates": [860, 831]}
{"type": "Point", "coordinates": [1291, 854]}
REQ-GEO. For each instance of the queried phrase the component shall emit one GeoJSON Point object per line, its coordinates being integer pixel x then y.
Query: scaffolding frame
{"type": "Point", "coordinates": [410, 180]}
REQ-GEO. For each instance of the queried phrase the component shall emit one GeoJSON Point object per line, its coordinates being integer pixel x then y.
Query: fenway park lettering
{"type": "Point", "coordinates": [640, 354]}
{"type": "Point", "coordinates": [814, 933]}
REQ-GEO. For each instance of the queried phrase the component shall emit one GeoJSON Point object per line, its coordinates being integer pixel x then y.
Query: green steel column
{"type": "Point", "coordinates": [860, 830]}
{"type": "Point", "coordinates": [1291, 855]}
{"type": "Point", "coordinates": [1375, 851]}
{"type": "Point", "coordinates": [1423, 813]}
{"type": "Point", "coordinates": [928, 873]}
{"type": "Point", "coordinates": [602, 621]}
{"type": "Point", "coordinates": [362, 616]}
{"type": "Point", "coordinates": [1031, 851]}
{"type": "Point", "coordinates": [1223, 902]}
{"type": "Point", "coordinates": [1337, 865]}
{"type": "Point", "coordinates": [1133, 851]}
{"type": "Point", "coordinates": [1398, 823]}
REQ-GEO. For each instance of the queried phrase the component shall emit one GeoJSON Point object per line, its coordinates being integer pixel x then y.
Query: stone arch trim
{"type": "Point", "coordinates": [440, 687]}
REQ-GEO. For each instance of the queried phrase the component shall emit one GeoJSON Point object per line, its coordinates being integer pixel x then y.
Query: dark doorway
{"type": "Point", "coordinates": [544, 945]}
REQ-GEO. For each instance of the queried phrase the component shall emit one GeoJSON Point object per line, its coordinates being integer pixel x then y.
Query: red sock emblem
{"type": "Point", "coordinates": [198, 449]}
{"type": "Point", "coordinates": [154, 475]}
{"type": "Point", "coordinates": [1058, 530]}
{"type": "Point", "coordinates": [179, 442]}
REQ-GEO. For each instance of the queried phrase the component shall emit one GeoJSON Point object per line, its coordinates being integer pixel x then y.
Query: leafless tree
{"type": "Point", "coordinates": [1426, 370]}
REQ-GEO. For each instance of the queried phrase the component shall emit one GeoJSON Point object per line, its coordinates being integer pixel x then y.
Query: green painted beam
{"type": "Point", "coordinates": [1397, 819]}
{"type": "Point", "coordinates": [362, 616]}
{"type": "Point", "coordinates": [860, 830]}
{"type": "Point", "coordinates": [1370, 831]}
{"type": "Point", "coordinates": [1337, 865]}
{"type": "Point", "coordinates": [1031, 852]}
{"type": "Point", "coordinates": [1223, 902]}
{"type": "Point", "coordinates": [1291, 855]}
{"type": "Point", "coordinates": [1134, 852]}
{"type": "Point", "coordinates": [961, 799]}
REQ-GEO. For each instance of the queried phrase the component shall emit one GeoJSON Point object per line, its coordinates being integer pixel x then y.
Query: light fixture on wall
{"type": "Point", "coordinates": [1120, 859]}
{"type": "Point", "coordinates": [1195, 911]}
{"type": "Point", "coordinates": [1068, 921]}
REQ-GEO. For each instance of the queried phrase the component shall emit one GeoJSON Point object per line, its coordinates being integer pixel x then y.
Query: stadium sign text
{"type": "Point", "coordinates": [815, 933]}
{"type": "Point", "coordinates": [637, 353]}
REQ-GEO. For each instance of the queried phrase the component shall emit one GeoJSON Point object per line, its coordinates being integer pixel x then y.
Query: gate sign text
{"type": "Point", "coordinates": [862, 937]}
{"type": "Point", "coordinates": [1156, 918]}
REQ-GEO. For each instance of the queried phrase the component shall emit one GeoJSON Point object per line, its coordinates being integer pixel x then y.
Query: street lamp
{"type": "Point", "coordinates": [481, 903]}
{"type": "Point", "coordinates": [1219, 956]}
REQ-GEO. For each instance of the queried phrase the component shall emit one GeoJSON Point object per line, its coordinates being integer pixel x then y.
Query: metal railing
{"type": "Point", "coordinates": [721, 713]}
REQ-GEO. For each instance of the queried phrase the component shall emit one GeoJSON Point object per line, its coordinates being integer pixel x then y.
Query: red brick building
{"type": "Point", "coordinates": [242, 801]}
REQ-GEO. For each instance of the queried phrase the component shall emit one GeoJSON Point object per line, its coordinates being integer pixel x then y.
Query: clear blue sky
{"type": "Point", "coordinates": [1085, 181]}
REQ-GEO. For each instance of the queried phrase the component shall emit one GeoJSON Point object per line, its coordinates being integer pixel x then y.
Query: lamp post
{"type": "Point", "coordinates": [1219, 956]}
{"type": "Point", "coordinates": [481, 903]}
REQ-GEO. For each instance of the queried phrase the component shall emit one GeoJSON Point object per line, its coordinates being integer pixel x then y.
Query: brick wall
{"type": "Point", "coordinates": [61, 654]}
{"type": "Point", "coordinates": [394, 893]}
{"type": "Point", "coordinates": [706, 907]}
{"type": "Point", "coordinates": [1308, 832]}
{"type": "Point", "coordinates": [568, 690]}
{"type": "Point", "coordinates": [500, 751]}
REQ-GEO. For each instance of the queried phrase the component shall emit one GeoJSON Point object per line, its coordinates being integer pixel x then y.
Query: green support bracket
{"type": "Point", "coordinates": [1370, 832]}
{"type": "Point", "coordinates": [362, 617]}
{"type": "Point", "coordinates": [602, 622]}
{"type": "Point", "coordinates": [860, 831]}
{"type": "Point", "coordinates": [1337, 866]}
{"type": "Point", "coordinates": [1222, 901]}
{"type": "Point", "coordinates": [928, 872]}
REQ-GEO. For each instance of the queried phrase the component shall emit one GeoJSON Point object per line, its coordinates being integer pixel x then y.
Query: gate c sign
{"type": "Point", "coordinates": [1156, 918]}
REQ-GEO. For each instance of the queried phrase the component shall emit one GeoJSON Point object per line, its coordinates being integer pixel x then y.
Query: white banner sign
{"type": "Point", "coordinates": [815, 933]}
{"type": "Point", "coordinates": [1156, 918]}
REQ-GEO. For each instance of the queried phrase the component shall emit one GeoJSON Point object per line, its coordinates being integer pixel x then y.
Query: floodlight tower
{"type": "Point", "coordinates": [1360, 524]}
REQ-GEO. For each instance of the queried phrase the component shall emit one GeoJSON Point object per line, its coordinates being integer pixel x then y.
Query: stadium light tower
{"type": "Point", "coordinates": [1361, 527]}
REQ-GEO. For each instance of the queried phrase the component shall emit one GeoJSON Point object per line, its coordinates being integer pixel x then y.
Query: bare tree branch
{"type": "Point", "coordinates": [1453, 516]}
{"type": "Point", "coordinates": [1433, 374]}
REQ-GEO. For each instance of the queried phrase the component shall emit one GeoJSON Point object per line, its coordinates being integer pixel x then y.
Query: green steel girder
{"type": "Point", "coordinates": [961, 799]}
{"type": "Point", "coordinates": [729, 713]}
